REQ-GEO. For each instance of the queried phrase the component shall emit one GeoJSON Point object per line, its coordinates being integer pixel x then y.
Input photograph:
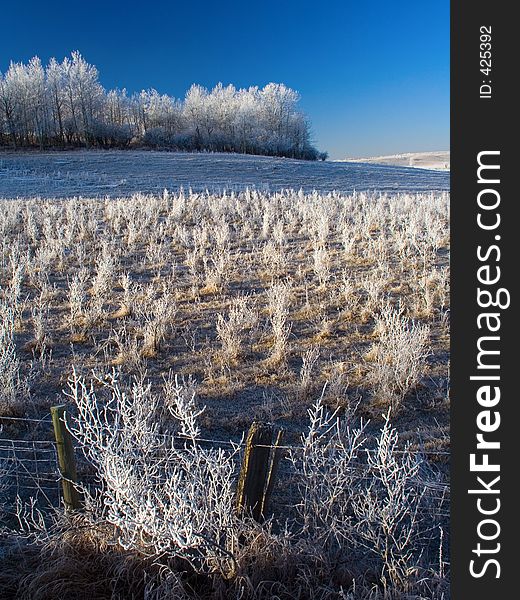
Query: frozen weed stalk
{"type": "Point", "coordinates": [231, 331]}
{"type": "Point", "coordinates": [399, 356]}
{"type": "Point", "coordinates": [158, 317]}
{"type": "Point", "coordinates": [279, 301]}
{"type": "Point", "coordinates": [387, 512]}
{"type": "Point", "coordinates": [309, 360]}
{"type": "Point", "coordinates": [104, 273]}
{"type": "Point", "coordinates": [322, 265]}
{"type": "Point", "coordinates": [9, 363]}
{"type": "Point", "coordinates": [78, 296]}
{"type": "Point", "coordinates": [40, 316]}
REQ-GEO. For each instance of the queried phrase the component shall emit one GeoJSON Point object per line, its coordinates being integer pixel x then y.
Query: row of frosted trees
{"type": "Point", "coordinates": [64, 105]}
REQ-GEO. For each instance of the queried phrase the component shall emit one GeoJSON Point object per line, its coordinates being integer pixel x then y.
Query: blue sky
{"type": "Point", "coordinates": [373, 75]}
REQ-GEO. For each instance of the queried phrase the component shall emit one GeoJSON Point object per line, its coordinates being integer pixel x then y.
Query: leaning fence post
{"type": "Point", "coordinates": [66, 458]}
{"type": "Point", "coordinates": [258, 470]}
{"type": "Point", "coordinates": [274, 461]}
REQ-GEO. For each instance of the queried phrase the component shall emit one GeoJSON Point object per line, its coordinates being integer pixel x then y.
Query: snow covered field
{"type": "Point", "coordinates": [438, 161]}
{"type": "Point", "coordinates": [120, 173]}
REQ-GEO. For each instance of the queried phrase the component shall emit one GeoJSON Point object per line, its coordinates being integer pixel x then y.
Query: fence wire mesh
{"type": "Point", "coordinates": [29, 468]}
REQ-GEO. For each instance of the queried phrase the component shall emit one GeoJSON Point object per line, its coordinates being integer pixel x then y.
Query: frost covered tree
{"type": "Point", "coordinates": [63, 104]}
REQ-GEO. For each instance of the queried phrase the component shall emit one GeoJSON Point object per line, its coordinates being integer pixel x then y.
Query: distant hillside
{"type": "Point", "coordinates": [440, 161]}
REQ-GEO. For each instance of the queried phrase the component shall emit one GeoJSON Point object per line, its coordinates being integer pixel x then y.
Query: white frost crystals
{"type": "Point", "coordinates": [170, 497]}
{"type": "Point", "coordinates": [355, 493]}
{"type": "Point", "coordinates": [12, 387]}
{"type": "Point", "coordinates": [162, 495]}
{"type": "Point", "coordinates": [399, 356]}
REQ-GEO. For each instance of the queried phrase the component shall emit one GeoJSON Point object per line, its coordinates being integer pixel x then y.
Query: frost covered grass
{"type": "Point", "coordinates": [190, 313]}
{"type": "Point", "coordinates": [122, 173]}
{"type": "Point", "coordinates": [162, 520]}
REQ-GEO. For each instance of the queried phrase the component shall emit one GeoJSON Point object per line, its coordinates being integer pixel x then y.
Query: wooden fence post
{"type": "Point", "coordinates": [66, 458]}
{"type": "Point", "coordinates": [258, 470]}
{"type": "Point", "coordinates": [274, 461]}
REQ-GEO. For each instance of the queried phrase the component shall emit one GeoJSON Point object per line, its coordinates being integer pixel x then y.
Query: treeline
{"type": "Point", "coordinates": [64, 105]}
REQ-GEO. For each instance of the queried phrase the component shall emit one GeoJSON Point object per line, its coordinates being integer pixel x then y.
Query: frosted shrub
{"type": "Point", "coordinates": [222, 235]}
{"type": "Point", "coordinates": [156, 253]}
{"type": "Point", "coordinates": [133, 233]}
{"type": "Point", "coordinates": [166, 498]}
{"type": "Point", "coordinates": [278, 298]}
{"type": "Point", "coordinates": [274, 258]}
{"type": "Point", "coordinates": [231, 331]}
{"type": "Point", "coordinates": [431, 291]}
{"type": "Point", "coordinates": [321, 265]}
{"type": "Point", "coordinates": [215, 272]}
{"type": "Point", "coordinates": [40, 316]}
{"type": "Point", "coordinates": [309, 360]}
{"type": "Point", "coordinates": [326, 477]}
{"type": "Point", "coordinates": [387, 511]}
{"type": "Point", "coordinates": [12, 387]}
{"type": "Point", "coordinates": [351, 508]}
{"type": "Point", "coordinates": [13, 294]}
{"type": "Point", "coordinates": [15, 289]}
{"type": "Point", "coordinates": [348, 296]}
{"type": "Point", "coordinates": [425, 295]}
{"type": "Point", "coordinates": [104, 274]}
{"type": "Point", "coordinates": [78, 296]}
{"type": "Point", "coordinates": [158, 317]}
{"type": "Point", "coordinates": [192, 262]}
{"type": "Point", "coordinates": [279, 235]}
{"type": "Point", "coordinates": [374, 285]}
{"type": "Point", "coordinates": [322, 228]}
{"type": "Point", "coordinates": [267, 219]}
{"type": "Point", "coordinates": [443, 286]}
{"type": "Point", "coordinates": [399, 356]}
{"type": "Point", "coordinates": [348, 241]}
{"type": "Point", "coordinates": [31, 225]}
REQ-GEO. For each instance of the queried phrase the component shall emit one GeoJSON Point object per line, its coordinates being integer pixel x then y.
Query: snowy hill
{"type": "Point", "coordinates": [439, 161]}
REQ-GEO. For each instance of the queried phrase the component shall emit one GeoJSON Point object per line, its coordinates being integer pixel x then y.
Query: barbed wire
{"type": "Point", "coordinates": [242, 444]}
{"type": "Point", "coordinates": [27, 419]}
{"type": "Point", "coordinates": [24, 460]}
{"type": "Point", "coordinates": [30, 467]}
{"type": "Point", "coordinates": [229, 443]}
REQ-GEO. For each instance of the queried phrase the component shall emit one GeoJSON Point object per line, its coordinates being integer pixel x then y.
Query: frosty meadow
{"type": "Point", "coordinates": [162, 320]}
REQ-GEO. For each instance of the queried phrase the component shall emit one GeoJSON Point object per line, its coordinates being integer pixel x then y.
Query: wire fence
{"type": "Point", "coordinates": [29, 468]}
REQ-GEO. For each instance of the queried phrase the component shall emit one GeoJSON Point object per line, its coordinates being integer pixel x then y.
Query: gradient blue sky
{"type": "Point", "coordinates": [373, 75]}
